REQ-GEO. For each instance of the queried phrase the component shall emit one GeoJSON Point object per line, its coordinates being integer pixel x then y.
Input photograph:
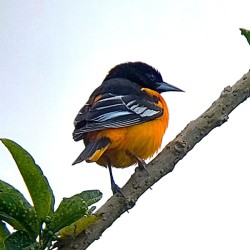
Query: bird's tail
{"type": "Point", "coordinates": [93, 151]}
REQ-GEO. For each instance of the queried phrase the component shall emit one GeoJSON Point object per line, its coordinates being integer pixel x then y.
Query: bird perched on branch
{"type": "Point", "coordinates": [125, 118]}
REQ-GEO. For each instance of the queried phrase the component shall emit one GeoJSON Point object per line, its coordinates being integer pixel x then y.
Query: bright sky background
{"type": "Point", "coordinates": [55, 53]}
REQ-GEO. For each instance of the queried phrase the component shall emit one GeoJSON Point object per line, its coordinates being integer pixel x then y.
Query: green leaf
{"type": "Point", "coordinates": [69, 210]}
{"type": "Point", "coordinates": [37, 184]}
{"type": "Point", "coordinates": [90, 196]}
{"type": "Point", "coordinates": [73, 208]}
{"type": "Point", "coordinates": [7, 188]}
{"type": "Point", "coordinates": [17, 241]}
{"type": "Point", "coordinates": [79, 226]}
{"type": "Point", "coordinates": [4, 232]}
{"type": "Point", "coordinates": [245, 33]}
{"type": "Point", "coordinates": [16, 211]}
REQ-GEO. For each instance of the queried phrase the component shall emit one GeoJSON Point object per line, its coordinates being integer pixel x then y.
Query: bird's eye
{"type": "Point", "coordinates": [151, 77]}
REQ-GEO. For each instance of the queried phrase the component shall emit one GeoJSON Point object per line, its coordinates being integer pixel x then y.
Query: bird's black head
{"type": "Point", "coordinates": [142, 74]}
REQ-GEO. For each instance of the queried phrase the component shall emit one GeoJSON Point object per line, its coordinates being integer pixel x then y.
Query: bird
{"type": "Point", "coordinates": [124, 119]}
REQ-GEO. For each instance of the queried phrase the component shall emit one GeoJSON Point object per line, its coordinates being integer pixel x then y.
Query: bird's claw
{"type": "Point", "coordinates": [116, 189]}
{"type": "Point", "coordinates": [141, 163]}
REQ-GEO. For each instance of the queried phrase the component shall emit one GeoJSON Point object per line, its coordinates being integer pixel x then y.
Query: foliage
{"type": "Point", "coordinates": [39, 226]}
{"type": "Point", "coordinates": [246, 33]}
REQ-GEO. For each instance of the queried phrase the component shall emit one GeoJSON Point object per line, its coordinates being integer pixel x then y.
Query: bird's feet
{"type": "Point", "coordinates": [141, 163]}
{"type": "Point", "coordinates": [116, 189]}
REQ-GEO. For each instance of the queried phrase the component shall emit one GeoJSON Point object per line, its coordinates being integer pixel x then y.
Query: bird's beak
{"type": "Point", "coordinates": [165, 87]}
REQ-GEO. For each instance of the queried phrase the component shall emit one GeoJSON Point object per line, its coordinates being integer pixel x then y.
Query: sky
{"type": "Point", "coordinates": [54, 55]}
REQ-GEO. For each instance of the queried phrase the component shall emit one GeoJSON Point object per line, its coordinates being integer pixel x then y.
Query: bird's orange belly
{"type": "Point", "coordinates": [142, 140]}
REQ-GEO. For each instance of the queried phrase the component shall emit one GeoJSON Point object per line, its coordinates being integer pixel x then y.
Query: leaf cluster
{"type": "Point", "coordinates": [38, 226]}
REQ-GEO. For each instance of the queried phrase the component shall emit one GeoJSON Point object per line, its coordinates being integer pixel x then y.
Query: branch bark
{"type": "Point", "coordinates": [163, 163]}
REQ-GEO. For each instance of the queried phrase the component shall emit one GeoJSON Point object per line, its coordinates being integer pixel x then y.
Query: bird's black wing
{"type": "Point", "coordinates": [115, 111]}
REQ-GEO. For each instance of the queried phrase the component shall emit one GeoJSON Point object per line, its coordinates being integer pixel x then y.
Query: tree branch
{"type": "Point", "coordinates": [163, 163]}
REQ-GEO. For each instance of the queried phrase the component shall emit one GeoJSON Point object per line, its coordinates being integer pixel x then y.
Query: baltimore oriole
{"type": "Point", "coordinates": [125, 118]}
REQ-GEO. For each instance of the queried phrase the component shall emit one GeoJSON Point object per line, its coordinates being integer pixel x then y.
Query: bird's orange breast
{"type": "Point", "coordinates": [142, 140]}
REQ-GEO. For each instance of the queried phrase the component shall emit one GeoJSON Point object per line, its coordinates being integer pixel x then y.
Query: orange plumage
{"type": "Point", "coordinates": [143, 140]}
